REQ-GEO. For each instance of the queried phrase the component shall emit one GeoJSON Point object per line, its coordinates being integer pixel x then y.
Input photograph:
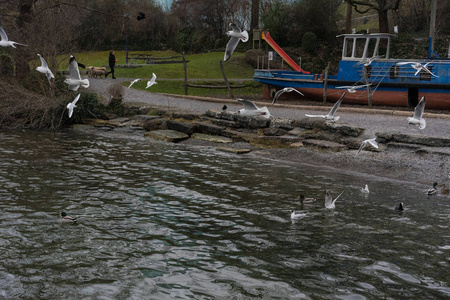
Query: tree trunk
{"type": "Point", "coordinates": [348, 19]}
{"type": "Point", "coordinates": [24, 18]}
{"type": "Point", "coordinates": [383, 21]}
{"type": "Point", "coordinates": [254, 22]}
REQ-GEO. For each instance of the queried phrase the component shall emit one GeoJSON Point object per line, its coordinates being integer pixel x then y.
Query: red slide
{"type": "Point", "coordinates": [265, 35]}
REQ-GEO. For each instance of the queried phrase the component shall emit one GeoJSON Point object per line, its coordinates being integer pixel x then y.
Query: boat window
{"type": "Point", "coordinates": [394, 72]}
{"type": "Point", "coordinates": [359, 50]}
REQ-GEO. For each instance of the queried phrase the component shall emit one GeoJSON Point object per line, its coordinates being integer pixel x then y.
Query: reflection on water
{"type": "Point", "coordinates": [163, 221]}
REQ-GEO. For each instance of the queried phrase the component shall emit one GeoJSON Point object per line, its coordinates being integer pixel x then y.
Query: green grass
{"type": "Point", "coordinates": [200, 66]}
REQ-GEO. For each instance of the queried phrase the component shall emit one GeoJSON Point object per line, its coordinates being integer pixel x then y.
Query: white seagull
{"type": "Point", "coordinates": [365, 189]}
{"type": "Point", "coordinates": [74, 81]}
{"type": "Point", "coordinates": [418, 113]}
{"type": "Point", "coordinates": [330, 115]}
{"type": "Point", "coordinates": [286, 89]}
{"type": "Point", "coordinates": [44, 69]}
{"type": "Point", "coordinates": [368, 60]}
{"type": "Point", "coordinates": [417, 66]}
{"type": "Point", "coordinates": [329, 202]}
{"type": "Point", "coordinates": [364, 143]}
{"type": "Point", "coordinates": [352, 88]}
{"type": "Point", "coordinates": [4, 42]}
{"type": "Point", "coordinates": [72, 105]}
{"type": "Point", "coordinates": [297, 216]}
{"type": "Point", "coordinates": [134, 81]}
{"type": "Point", "coordinates": [251, 110]}
{"type": "Point", "coordinates": [151, 81]}
{"type": "Point", "coordinates": [236, 34]}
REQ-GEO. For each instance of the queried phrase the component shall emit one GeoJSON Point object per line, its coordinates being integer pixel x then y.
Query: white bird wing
{"type": "Point", "coordinates": [3, 35]}
{"type": "Point", "coordinates": [153, 80]}
{"type": "Point", "coordinates": [336, 106]}
{"type": "Point", "coordinates": [373, 142]}
{"type": "Point", "coordinates": [328, 198]}
{"type": "Point", "coordinates": [406, 63]}
{"type": "Point", "coordinates": [248, 105]}
{"type": "Point", "coordinates": [76, 99]}
{"type": "Point", "coordinates": [43, 62]}
{"type": "Point", "coordinates": [428, 71]}
{"type": "Point", "coordinates": [74, 73]}
{"type": "Point", "coordinates": [133, 82]}
{"type": "Point", "coordinates": [363, 144]}
{"type": "Point", "coordinates": [277, 95]}
{"type": "Point", "coordinates": [231, 45]}
{"type": "Point", "coordinates": [315, 116]}
{"type": "Point", "coordinates": [334, 201]}
{"type": "Point", "coordinates": [235, 28]}
{"type": "Point", "coordinates": [418, 111]}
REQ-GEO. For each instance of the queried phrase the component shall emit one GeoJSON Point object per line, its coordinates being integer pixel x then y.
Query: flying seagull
{"type": "Point", "coordinates": [285, 90]}
{"type": "Point", "coordinates": [364, 143]}
{"type": "Point", "coordinates": [236, 34]}
{"type": "Point", "coordinates": [151, 81]}
{"type": "Point", "coordinates": [74, 81]}
{"type": "Point", "coordinates": [297, 216]}
{"type": "Point", "coordinates": [4, 42]}
{"type": "Point", "coordinates": [330, 115]}
{"type": "Point", "coordinates": [44, 69]}
{"type": "Point", "coordinates": [329, 202]}
{"type": "Point", "coordinates": [417, 66]}
{"type": "Point", "coordinates": [72, 105]}
{"type": "Point", "coordinates": [418, 113]}
{"type": "Point", "coordinates": [134, 81]}
{"type": "Point", "coordinates": [368, 60]}
{"type": "Point", "coordinates": [251, 110]}
{"type": "Point", "coordinates": [352, 88]}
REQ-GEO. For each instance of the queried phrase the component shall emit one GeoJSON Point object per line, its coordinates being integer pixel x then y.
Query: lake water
{"type": "Point", "coordinates": [165, 221]}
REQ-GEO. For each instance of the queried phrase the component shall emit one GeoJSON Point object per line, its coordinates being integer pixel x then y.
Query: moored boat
{"type": "Point", "coordinates": [368, 72]}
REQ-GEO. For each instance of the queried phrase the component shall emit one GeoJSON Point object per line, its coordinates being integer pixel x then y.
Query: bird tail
{"type": "Point", "coordinates": [244, 36]}
{"type": "Point", "coordinates": [85, 83]}
{"type": "Point", "coordinates": [422, 124]}
{"type": "Point", "coordinates": [265, 112]}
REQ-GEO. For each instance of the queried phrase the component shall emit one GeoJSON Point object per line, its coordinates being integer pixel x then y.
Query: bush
{"type": "Point", "coordinates": [6, 65]}
{"type": "Point", "coordinates": [309, 42]}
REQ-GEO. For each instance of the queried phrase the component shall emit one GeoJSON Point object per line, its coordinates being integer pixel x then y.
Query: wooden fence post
{"type": "Point", "coordinates": [185, 75]}
{"type": "Point", "coordinates": [226, 81]}
{"type": "Point", "coordinates": [325, 84]}
{"type": "Point", "coordinates": [369, 93]}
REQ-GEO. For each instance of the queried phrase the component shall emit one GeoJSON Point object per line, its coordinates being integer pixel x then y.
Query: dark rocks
{"type": "Point", "coordinates": [185, 127]}
{"type": "Point", "coordinates": [323, 145]}
{"type": "Point", "coordinates": [209, 128]}
{"type": "Point", "coordinates": [413, 139]}
{"type": "Point", "coordinates": [167, 135]}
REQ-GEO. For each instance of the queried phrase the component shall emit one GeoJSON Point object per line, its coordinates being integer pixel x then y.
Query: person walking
{"type": "Point", "coordinates": [112, 63]}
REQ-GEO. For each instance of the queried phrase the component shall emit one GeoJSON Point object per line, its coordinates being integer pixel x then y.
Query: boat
{"type": "Point", "coordinates": [369, 74]}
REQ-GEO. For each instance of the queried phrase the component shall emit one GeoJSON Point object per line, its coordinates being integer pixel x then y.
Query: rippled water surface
{"type": "Point", "coordinates": [165, 221]}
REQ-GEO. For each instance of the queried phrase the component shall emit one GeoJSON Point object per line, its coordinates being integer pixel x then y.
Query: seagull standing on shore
{"type": "Point", "coordinates": [417, 66]}
{"type": "Point", "coordinates": [44, 69]}
{"type": "Point", "coordinates": [151, 81]}
{"type": "Point", "coordinates": [251, 110]}
{"type": "Point", "coordinates": [352, 88]}
{"type": "Point", "coordinates": [236, 34]}
{"type": "Point", "coordinates": [285, 90]}
{"type": "Point", "coordinates": [329, 202]}
{"type": "Point", "coordinates": [330, 115]}
{"type": "Point", "coordinates": [4, 42]}
{"type": "Point", "coordinates": [74, 81]}
{"type": "Point", "coordinates": [418, 113]}
{"type": "Point", "coordinates": [364, 143]}
{"type": "Point", "coordinates": [134, 81]}
{"type": "Point", "coordinates": [72, 105]}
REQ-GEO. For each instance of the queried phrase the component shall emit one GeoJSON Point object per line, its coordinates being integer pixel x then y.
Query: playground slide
{"type": "Point", "coordinates": [265, 35]}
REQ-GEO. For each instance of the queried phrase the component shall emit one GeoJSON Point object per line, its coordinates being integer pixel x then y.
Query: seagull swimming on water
{"type": "Point", "coordinates": [151, 81]}
{"type": "Point", "coordinates": [365, 189]}
{"type": "Point", "coordinates": [364, 143]}
{"type": "Point", "coordinates": [352, 88]}
{"type": "Point", "coordinates": [236, 34]}
{"type": "Point", "coordinates": [285, 90]}
{"type": "Point", "coordinates": [417, 66]}
{"type": "Point", "coordinates": [297, 216]}
{"type": "Point", "coordinates": [330, 115]}
{"type": "Point", "coordinates": [251, 110]}
{"type": "Point", "coordinates": [4, 42]}
{"type": "Point", "coordinates": [44, 69]}
{"type": "Point", "coordinates": [72, 105]}
{"type": "Point", "coordinates": [74, 81]}
{"type": "Point", "coordinates": [418, 113]}
{"type": "Point", "coordinates": [134, 81]}
{"type": "Point", "coordinates": [329, 202]}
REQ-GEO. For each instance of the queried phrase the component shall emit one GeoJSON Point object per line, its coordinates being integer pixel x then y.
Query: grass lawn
{"type": "Point", "coordinates": [200, 66]}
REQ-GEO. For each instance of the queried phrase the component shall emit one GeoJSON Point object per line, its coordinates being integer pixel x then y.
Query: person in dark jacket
{"type": "Point", "coordinates": [112, 63]}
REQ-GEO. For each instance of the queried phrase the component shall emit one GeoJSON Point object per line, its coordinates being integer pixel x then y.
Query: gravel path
{"type": "Point", "coordinates": [420, 164]}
